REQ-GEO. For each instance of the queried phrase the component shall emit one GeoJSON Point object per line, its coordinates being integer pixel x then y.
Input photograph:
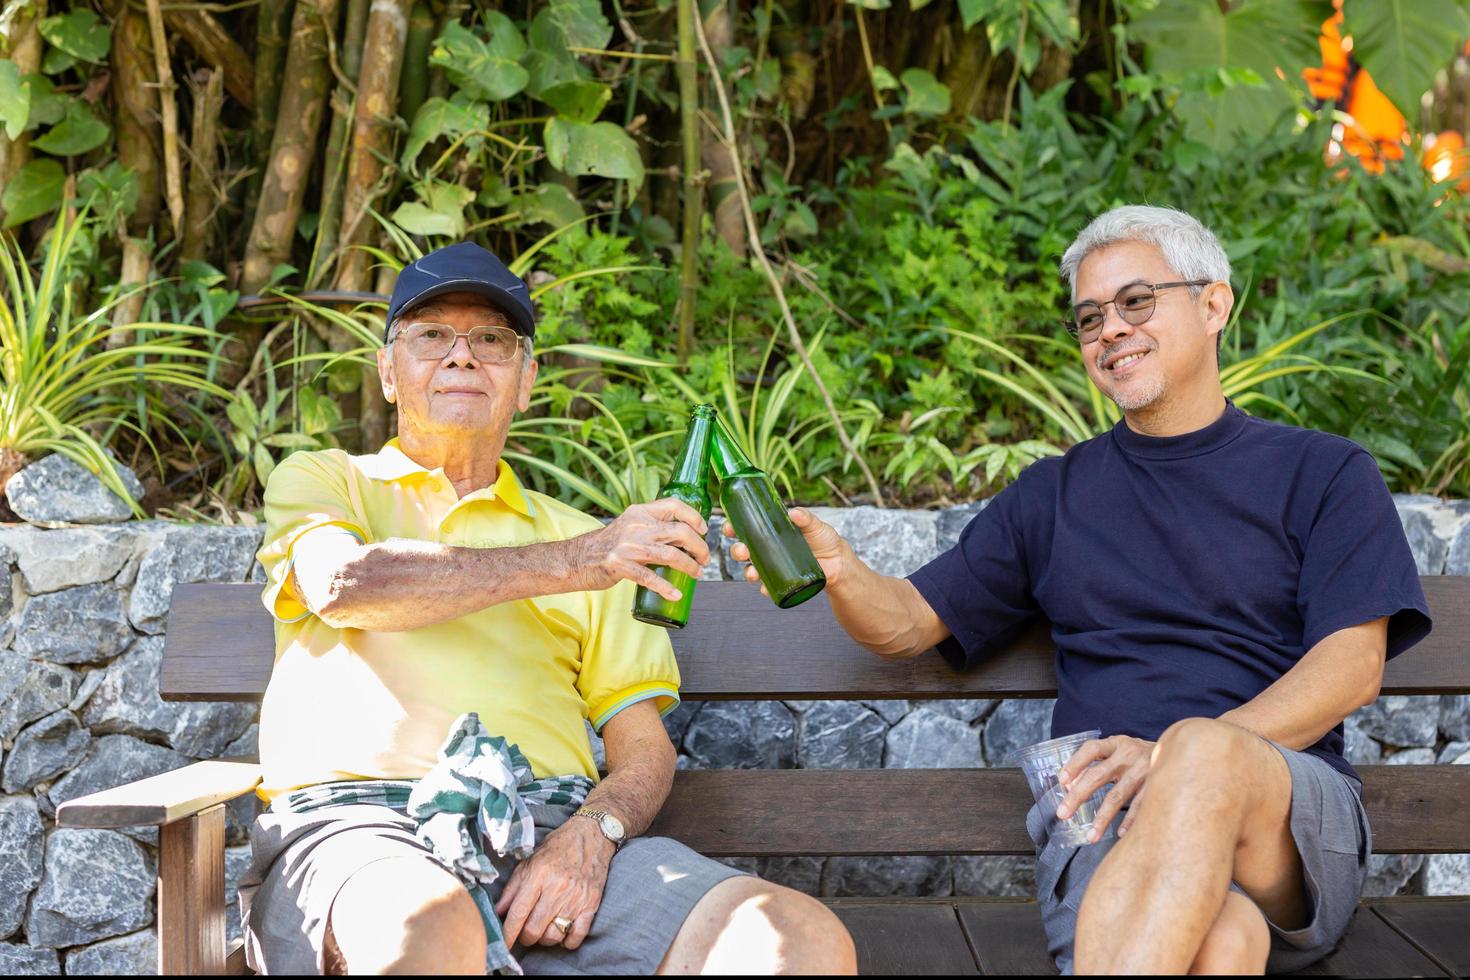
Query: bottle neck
{"type": "Point", "coordinates": [692, 466]}
{"type": "Point", "coordinates": [728, 458]}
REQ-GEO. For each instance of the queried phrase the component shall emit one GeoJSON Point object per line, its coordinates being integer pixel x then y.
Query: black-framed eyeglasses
{"type": "Point", "coordinates": [1135, 303]}
{"type": "Point", "coordinates": [433, 341]}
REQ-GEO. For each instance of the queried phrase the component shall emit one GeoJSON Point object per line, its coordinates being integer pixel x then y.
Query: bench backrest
{"type": "Point", "coordinates": [220, 646]}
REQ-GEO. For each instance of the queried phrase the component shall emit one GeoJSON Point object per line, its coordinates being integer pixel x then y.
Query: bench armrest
{"type": "Point", "coordinates": [164, 798]}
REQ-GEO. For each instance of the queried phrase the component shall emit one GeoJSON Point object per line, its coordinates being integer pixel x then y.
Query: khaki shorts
{"type": "Point", "coordinates": [300, 861]}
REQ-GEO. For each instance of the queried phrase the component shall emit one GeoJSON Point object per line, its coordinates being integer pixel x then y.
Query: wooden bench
{"type": "Point", "coordinates": [738, 647]}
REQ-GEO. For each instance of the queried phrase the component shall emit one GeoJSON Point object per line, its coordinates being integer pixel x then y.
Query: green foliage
{"type": "Point", "coordinates": [1404, 43]}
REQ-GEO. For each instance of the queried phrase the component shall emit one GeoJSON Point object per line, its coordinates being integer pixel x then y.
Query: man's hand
{"type": "Point", "coordinates": [562, 879]}
{"type": "Point", "coordinates": [1122, 761]}
{"type": "Point", "coordinates": [826, 544]}
{"type": "Point", "coordinates": [666, 532]}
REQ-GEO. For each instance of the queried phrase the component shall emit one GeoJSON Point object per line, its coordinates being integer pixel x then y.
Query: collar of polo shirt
{"type": "Point", "coordinates": [392, 464]}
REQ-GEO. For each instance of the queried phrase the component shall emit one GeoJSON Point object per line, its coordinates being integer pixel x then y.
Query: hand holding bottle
{"type": "Point", "coordinates": [827, 546]}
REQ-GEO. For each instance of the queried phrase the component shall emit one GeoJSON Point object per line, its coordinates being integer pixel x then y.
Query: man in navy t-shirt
{"type": "Point", "coordinates": [1224, 591]}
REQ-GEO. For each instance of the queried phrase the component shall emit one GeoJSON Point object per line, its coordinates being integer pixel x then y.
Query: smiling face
{"type": "Point", "coordinates": [1171, 356]}
{"type": "Point", "coordinates": [457, 396]}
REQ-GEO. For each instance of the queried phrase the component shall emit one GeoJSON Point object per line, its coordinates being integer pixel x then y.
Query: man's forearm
{"type": "Point", "coordinates": [402, 584]}
{"type": "Point", "coordinates": [636, 788]}
{"type": "Point", "coordinates": [885, 614]}
{"type": "Point", "coordinates": [1337, 676]}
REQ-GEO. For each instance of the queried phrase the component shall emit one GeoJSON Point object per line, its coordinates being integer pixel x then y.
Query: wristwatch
{"type": "Point", "coordinates": [611, 826]}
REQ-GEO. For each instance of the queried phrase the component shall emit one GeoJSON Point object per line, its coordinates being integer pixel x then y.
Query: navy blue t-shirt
{"type": "Point", "coordinates": [1182, 575]}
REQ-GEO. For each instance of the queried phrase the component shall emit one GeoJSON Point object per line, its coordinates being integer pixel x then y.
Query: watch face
{"type": "Point", "coordinates": [612, 827]}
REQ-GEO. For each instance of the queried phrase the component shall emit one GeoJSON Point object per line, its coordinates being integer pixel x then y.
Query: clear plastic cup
{"type": "Point", "coordinates": [1041, 763]}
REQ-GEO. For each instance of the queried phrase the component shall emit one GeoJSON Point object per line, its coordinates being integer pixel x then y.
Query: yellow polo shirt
{"type": "Point", "coordinates": [360, 704]}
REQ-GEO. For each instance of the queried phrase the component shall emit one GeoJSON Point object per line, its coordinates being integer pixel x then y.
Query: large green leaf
{"type": "Point", "coordinates": [441, 212]}
{"type": "Point", "coordinates": [48, 107]}
{"type": "Point", "coordinates": [550, 204]}
{"type": "Point", "coordinates": [80, 33]}
{"type": "Point", "coordinates": [15, 100]}
{"type": "Point", "coordinates": [78, 132]}
{"type": "Point", "coordinates": [1404, 43]}
{"type": "Point", "coordinates": [573, 24]}
{"type": "Point", "coordinates": [35, 191]}
{"type": "Point", "coordinates": [578, 101]}
{"type": "Point", "coordinates": [1192, 42]}
{"type": "Point", "coordinates": [483, 69]}
{"type": "Point", "coordinates": [441, 117]}
{"type": "Point", "coordinates": [923, 94]}
{"type": "Point", "coordinates": [598, 149]}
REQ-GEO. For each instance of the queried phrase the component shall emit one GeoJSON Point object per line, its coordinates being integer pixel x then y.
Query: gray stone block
{"type": "Point", "coordinates": [841, 735]}
{"type": "Point", "coordinates": [999, 876]}
{"type": "Point", "coordinates": [1447, 874]}
{"type": "Point", "coordinates": [133, 955]}
{"type": "Point", "coordinates": [1401, 720]}
{"type": "Point", "coordinates": [28, 961]}
{"type": "Point", "coordinates": [1430, 550]}
{"type": "Point", "coordinates": [967, 710]}
{"type": "Point", "coordinates": [676, 722]}
{"type": "Point", "coordinates": [31, 689]}
{"type": "Point", "coordinates": [884, 876]}
{"type": "Point", "coordinates": [1454, 716]}
{"type": "Point", "coordinates": [84, 625]}
{"type": "Point", "coordinates": [97, 884]}
{"type": "Point", "coordinates": [1359, 749]}
{"type": "Point", "coordinates": [1411, 757]}
{"type": "Point", "coordinates": [892, 542]}
{"type": "Point", "coordinates": [1455, 754]}
{"type": "Point", "coordinates": [714, 569]}
{"type": "Point", "coordinates": [954, 520]}
{"type": "Point", "coordinates": [1458, 562]}
{"type": "Point", "coordinates": [56, 491]}
{"type": "Point", "coordinates": [1015, 725]}
{"type": "Point", "coordinates": [803, 874]}
{"type": "Point", "coordinates": [891, 711]}
{"type": "Point", "coordinates": [1389, 873]}
{"type": "Point", "coordinates": [237, 862]}
{"type": "Point", "coordinates": [127, 702]}
{"type": "Point", "coordinates": [22, 841]}
{"type": "Point", "coordinates": [64, 559]}
{"type": "Point", "coordinates": [926, 740]}
{"type": "Point", "coordinates": [742, 735]}
{"type": "Point", "coordinates": [189, 553]}
{"type": "Point", "coordinates": [112, 761]}
{"type": "Point", "coordinates": [45, 750]}
{"type": "Point", "coordinates": [246, 746]}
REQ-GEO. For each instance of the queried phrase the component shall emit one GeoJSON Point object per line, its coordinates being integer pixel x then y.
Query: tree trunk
{"type": "Point", "coordinates": [213, 44]}
{"type": "Point", "coordinates": [199, 208]}
{"type": "Point", "coordinates": [334, 166]}
{"type": "Point", "coordinates": [135, 118]}
{"type": "Point", "coordinates": [372, 134]}
{"type": "Point", "coordinates": [168, 110]}
{"type": "Point", "coordinates": [26, 54]}
{"type": "Point", "coordinates": [689, 127]}
{"type": "Point", "coordinates": [136, 271]}
{"type": "Point", "coordinates": [299, 120]}
{"type": "Point", "coordinates": [272, 26]}
{"type": "Point", "coordinates": [415, 85]}
{"type": "Point", "coordinates": [968, 75]}
{"type": "Point", "coordinates": [374, 413]}
{"type": "Point", "coordinates": [724, 203]}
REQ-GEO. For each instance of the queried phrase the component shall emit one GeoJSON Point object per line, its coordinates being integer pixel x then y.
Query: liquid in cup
{"type": "Point", "coordinates": [1041, 763]}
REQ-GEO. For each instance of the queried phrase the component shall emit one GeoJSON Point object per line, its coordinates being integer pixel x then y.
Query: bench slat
{"type": "Point", "coordinates": [1372, 949]}
{"type": "Point", "coordinates": [898, 937]}
{"type": "Point", "coordinates": [1435, 925]}
{"type": "Point", "coordinates": [742, 813]}
{"type": "Point", "coordinates": [221, 645]}
{"type": "Point", "coordinates": [1007, 937]}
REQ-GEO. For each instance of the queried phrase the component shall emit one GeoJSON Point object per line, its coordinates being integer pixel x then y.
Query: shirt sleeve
{"type": "Point", "coordinates": [981, 588]}
{"type": "Point", "coordinates": [306, 492]}
{"type": "Point", "coordinates": [1358, 566]}
{"type": "Point", "coordinates": [624, 661]}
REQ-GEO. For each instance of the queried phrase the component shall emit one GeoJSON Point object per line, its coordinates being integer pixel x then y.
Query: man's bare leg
{"type": "Point", "coordinates": [745, 925]}
{"type": "Point", "coordinates": [1217, 807]}
{"type": "Point", "coordinates": [404, 916]}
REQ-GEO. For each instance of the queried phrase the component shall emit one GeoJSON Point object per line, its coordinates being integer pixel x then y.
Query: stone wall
{"type": "Point", "coordinates": [80, 644]}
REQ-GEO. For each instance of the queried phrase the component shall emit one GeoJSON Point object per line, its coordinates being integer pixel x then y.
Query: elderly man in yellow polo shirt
{"type": "Point", "coordinates": [442, 633]}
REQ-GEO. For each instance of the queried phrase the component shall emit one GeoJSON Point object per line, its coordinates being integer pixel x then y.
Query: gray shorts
{"type": "Point", "coordinates": [300, 861]}
{"type": "Point", "coordinates": [1332, 836]}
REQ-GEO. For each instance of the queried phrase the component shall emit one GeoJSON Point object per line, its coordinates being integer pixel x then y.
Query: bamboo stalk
{"type": "Point", "coordinates": [753, 232]}
{"type": "Point", "coordinates": [213, 43]}
{"type": "Point", "coordinates": [25, 52]}
{"type": "Point", "coordinates": [729, 225]}
{"type": "Point", "coordinates": [1005, 112]}
{"type": "Point", "coordinates": [272, 27]}
{"type": "Point", "coordinates": [299, 119]}
{"type": "Point", "coordinates": [135, 120]}
{"type": "Point", "coordinates": [372, 132]}
{"type": "Point", "coordinates": [452, 12]}
{"type": "Point", "coordinates": [415, 85]}
{"type": "Point", "coordinates": [173, 175]}
{"type": "Point", "coordinates": [203, 146]}
{"type": "Point", "coordinates": [136, 270]}
{"type": "Point", "coordinates": [374, 416]}
{"type": "Point", "coordinates": [693, 178]}
{"type": "Point", "coordinates": [334, 165]}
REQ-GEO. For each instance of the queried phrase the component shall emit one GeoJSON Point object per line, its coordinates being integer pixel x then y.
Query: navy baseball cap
{"type": "Point", "coordinates": [463, 268]}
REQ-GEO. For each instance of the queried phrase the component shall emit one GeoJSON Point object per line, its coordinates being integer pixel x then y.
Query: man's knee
{"type": "Point", "coordinates": [1239, 942]}
{"type": "Point", "coordinates": [1203, 752]}
{"type": "Point", "coordinates": [815, 939]}
{"type": "Point", "coordinates": [407, 915]}
{"type": "Point", "coordinates": [746, 925]}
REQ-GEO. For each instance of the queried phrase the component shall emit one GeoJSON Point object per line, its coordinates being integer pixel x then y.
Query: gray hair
{"type": "Point", "coordinates": [1190, 248]}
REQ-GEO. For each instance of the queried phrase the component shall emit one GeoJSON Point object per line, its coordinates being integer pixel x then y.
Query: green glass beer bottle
{"type": "Point", "coordinates": [779, 552]}
{"type": "Point", "coordinates": [689, 483]}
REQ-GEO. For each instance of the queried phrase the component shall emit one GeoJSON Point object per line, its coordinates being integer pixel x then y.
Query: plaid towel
{"type": "Point", "coordinates": [473, 806]}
